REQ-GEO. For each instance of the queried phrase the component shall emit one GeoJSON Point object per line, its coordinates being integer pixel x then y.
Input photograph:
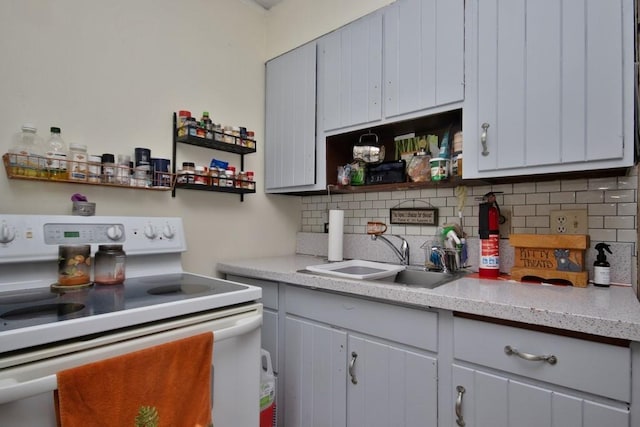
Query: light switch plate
{"type": "Point", "coordinates": [572, 221]}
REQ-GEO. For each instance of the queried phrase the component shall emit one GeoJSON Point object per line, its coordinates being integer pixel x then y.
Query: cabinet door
{"type": "Point", "coordinates": [315, 377]}
{"type": "Point", "coordinates": [497, 401]}
{"type": "Point", "coordinates": [554, 89]}
{"type": "Point", "coordinates": [390, 386]}
{"type": "Point", "coordinates": [350, 68]}
{"type": "Point", "coordinates": [290, 119]}
{"type": "Point", "coordinates": [423, 54]}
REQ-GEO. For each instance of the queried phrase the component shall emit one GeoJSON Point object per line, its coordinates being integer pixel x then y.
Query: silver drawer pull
{"type": "Point", "coordinates": [352, 367]}
{"type": "Point", "coordinates": [550, 359]}
{"type": "Point", "coordinates": [459, 417]}
{"type": "Point", "coordinates": [483, 139]}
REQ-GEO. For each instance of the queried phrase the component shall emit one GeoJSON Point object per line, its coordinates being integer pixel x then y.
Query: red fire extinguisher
{"type": "Point", "coordinates": [489, 231]}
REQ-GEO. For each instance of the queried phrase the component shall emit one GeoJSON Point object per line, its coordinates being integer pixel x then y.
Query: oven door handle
{"type": "Point", "coordinates": [13, 390]}
{"type": "Point", "coordinates": [241, 327]}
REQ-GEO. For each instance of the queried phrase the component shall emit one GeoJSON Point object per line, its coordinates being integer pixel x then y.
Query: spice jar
{"type": "Point", "coordinates": [94, 168]}
{"type": "Point", "coordinates": [241, 181]}
{"type": "Point", "coordinates": [74, 265]}
{"type": "Point", "coordinates": [251, 185]}
{"type": "Point", "coordinates": [201, 176]}
{"type": "Point", "coordinates": [108, 169]}
{"type": "Point", "coordinates": [251, 141]}
{"type": "Point", "coordinates": [213, 177]}
{"type": "Point", "coordinates": [110, 265]}
{"type": "Point", "coordinates": [187, 173]}
{"type": "Point", "coordinates": [77, 162]}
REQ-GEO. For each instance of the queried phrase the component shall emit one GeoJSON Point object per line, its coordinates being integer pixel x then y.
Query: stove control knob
{"type": "Point", "coordinates": [115, 232]}
{"type": "Point", "coordinates": [168, 231]}
{"type": "Point", "coordinates": [150, 232]}
{"type": "Point", "coordinates": [6, 234]}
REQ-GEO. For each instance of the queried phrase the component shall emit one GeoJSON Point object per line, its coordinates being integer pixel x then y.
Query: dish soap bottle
{"type": "Point", "coordinates": [601, 267]}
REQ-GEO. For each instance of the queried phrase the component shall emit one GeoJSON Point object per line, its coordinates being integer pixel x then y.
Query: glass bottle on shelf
{"type": "Point", "coordinates": [207, 124]}
{"type": "Point", "coordinates": [56, 155]}
{"type": "Point", "coordinates": [26, 153]}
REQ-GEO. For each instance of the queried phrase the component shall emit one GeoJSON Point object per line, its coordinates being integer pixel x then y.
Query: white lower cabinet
{"type": "Point", "coordinates": [345, 361]}
{"type": "Point", "coordinates": [345, 367]}
{"type": "Point", "coordinates": [529, 384]}
{"type": "Point", "coordinates": [486, 399]}
{"type": "Point", "coordinates": [389, 385]}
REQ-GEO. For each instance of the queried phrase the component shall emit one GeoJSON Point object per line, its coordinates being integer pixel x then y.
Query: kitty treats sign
{"type": "Point", "coordinates": [552, 257]}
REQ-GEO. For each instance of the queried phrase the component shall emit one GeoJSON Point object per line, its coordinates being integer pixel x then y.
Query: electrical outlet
{"type": "Point", "coordinates": [569, 221]}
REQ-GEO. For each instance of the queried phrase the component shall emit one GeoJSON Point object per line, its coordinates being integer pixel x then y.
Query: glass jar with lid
{"type": "Point", "coordinates": [110, 261]}
{"type": "Point", "coordinates": [74, 265]}
{"type": "Point", "coordinates": [26, 155]}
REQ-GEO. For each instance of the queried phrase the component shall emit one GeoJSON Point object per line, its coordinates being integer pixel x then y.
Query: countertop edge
{"type": "Point", "coordinates": [611, 312]}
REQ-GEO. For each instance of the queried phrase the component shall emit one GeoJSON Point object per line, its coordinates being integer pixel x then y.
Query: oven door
{"type": "Point", "coordinates": [26, 390]}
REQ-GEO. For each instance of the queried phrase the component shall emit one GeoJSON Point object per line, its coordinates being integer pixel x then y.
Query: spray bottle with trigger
{"type": "Point", "coordinates": [601, 267]}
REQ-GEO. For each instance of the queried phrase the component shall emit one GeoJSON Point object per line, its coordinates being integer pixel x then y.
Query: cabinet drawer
{"type": "Point", "coordinates": [403, 325]}
{"type": "Point", "coordinates": [592, 367]}
{"type": "Point", "coordinates": [269, 289]}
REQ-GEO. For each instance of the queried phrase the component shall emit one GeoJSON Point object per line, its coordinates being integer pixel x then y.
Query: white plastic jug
{"type": "Point", "coordinates": [267, 390]}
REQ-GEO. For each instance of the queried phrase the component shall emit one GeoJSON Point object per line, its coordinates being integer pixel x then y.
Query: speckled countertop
{"type": "Point", "coordinates": [610, 312]}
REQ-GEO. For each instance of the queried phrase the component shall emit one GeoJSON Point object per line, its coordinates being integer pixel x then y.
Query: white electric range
{"type": "Point", "coordinates": [44, 329]}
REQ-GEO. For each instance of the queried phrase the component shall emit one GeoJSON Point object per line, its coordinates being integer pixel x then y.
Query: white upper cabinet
{"type": "Point", "coordinates": [290, 138]}
{"type": "Point", "coordinates": [401, 60]}
{"type": "Point", "coordinates": [350, 68]}
{"type": "Point", "coordinates": [549, 86]}
{"type": "Point", "coordinates": [423, 55]}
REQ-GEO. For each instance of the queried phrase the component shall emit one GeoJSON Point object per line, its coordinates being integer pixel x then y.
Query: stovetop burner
{"type": "Point", "coordinates": [19, 309]}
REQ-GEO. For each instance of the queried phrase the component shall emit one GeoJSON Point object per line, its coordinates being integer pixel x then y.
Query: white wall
{"type": "Point", "coordinates": [292, 23]}
{"type": "Point", "coordinates": [110, 74]}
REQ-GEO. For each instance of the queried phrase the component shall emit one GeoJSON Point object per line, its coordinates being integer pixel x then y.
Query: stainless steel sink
{"type": "Point", "coordinates": [425, 279]}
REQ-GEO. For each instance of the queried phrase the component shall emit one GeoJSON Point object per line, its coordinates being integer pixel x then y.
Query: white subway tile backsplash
{"type": "Point", "coordinates": [595, 221]}
{"type": "Point", "coordinates": [537, 199]}
{"type": "Point", "coordinates": [620, 196]}
{"type": "Point", "coordinates": [619, 222]}
{"type": "Point", "coordinates": [602, 209]}
{"type": "Point", "coordinates": [627, 208]}
{"type": "Point", "coordinates": [603, 183]}
{"type": "Point", "coordinates": [611, 205]}
{"type": "Point", "coordinates": [514, 199]}
{"type": "Point", "coordinates": [630, 235]}
{"type": "Point", "coordinates": [574, 185]}
{"type": "Point", "coordinates": [547, 186]}
{"type": "Point", "coordinates": [524, 187]}
{"type": "Point", "coordinates": [524, 210]}
{"type": "Point", "coordinates": [546, 209]}
{"type": "Point", "coordinates": [593, 196]}
{"type": "Point", "coordinates": [627, 182]}
{"type": "Point", "coordinates": [563, 197]}
{"type": "Point", "coordinates": [602, 235]}
{"type": "Point", "coordinates": [537, 222]}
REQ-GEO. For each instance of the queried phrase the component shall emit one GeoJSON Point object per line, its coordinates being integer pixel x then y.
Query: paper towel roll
{"type": "Point", "coordinates": [336, 228]}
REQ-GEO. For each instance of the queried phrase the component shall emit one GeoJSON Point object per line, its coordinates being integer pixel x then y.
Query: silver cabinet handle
{"type": "Point", "coordinates": [352, 367]}
{"type": "Point", "coordinates": [459, 417]}
{"type": "Point", "coordinates": [483, 139]}
{"type": "Point", "coordinates": [550, 359]}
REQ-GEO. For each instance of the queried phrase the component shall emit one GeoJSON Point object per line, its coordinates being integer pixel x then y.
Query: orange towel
{"type": "Point", "coordinates": [169, 384]}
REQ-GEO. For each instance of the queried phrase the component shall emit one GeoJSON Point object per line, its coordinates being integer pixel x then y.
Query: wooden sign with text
{"type": "Point", "coordinates": [550, 256]}
{"type": "Point", "coordinates": [413, 216]}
